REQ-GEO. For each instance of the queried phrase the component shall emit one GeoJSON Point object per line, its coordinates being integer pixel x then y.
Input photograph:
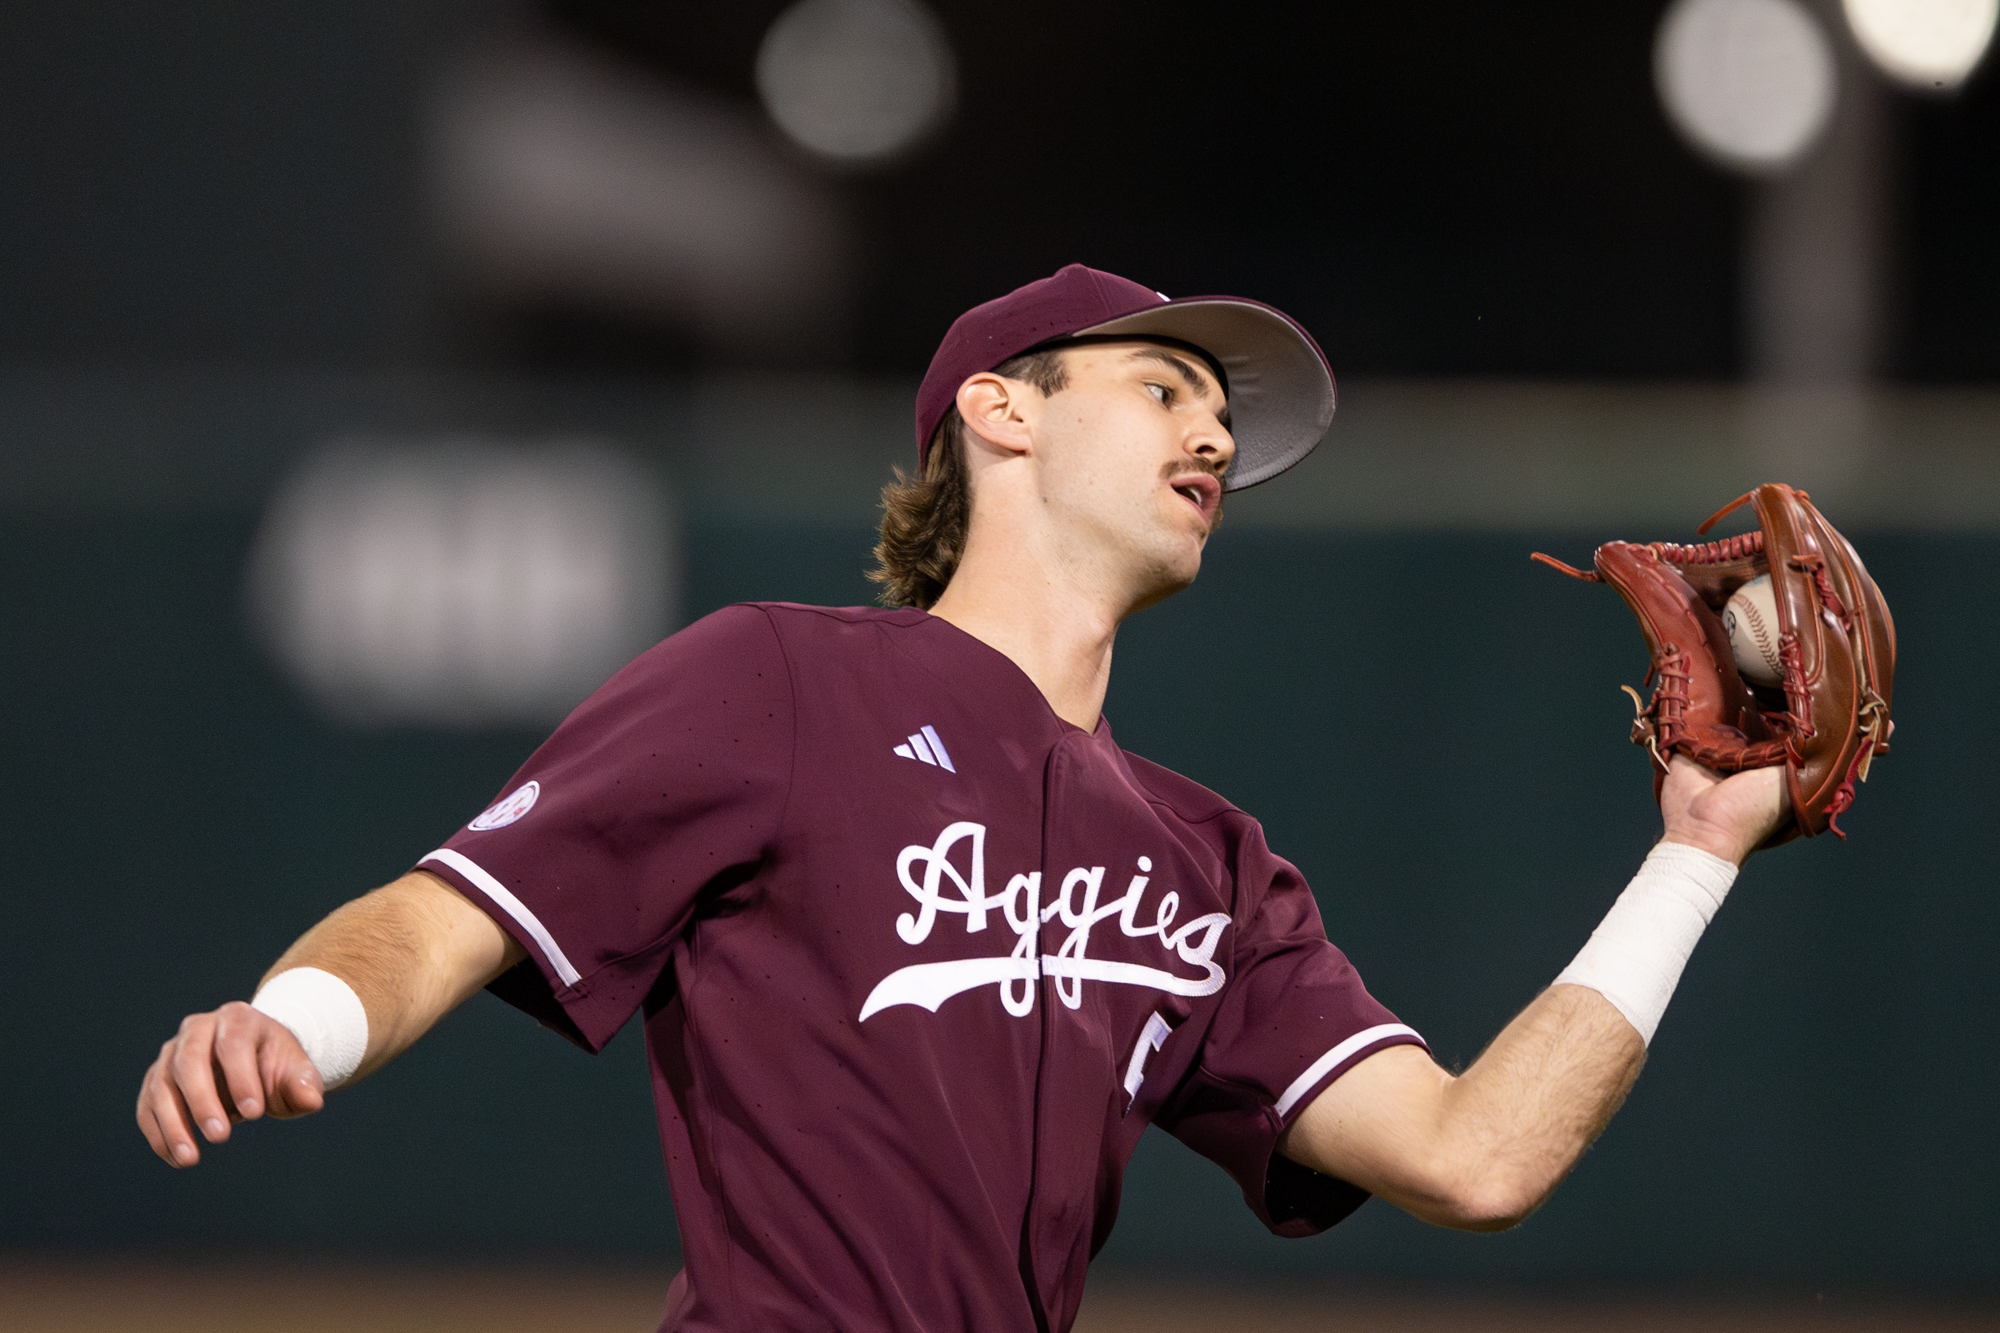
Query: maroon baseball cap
{"type": "Point", "coordinates": [1280, 386]}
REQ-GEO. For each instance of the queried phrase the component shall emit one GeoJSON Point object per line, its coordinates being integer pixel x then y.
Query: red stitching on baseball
{"type": "Point", "coordinates": [1766, 649]}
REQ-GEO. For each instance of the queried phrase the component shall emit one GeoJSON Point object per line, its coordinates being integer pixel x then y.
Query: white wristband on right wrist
{"type": "Point", "coordinates": [324, 1013]}
{"type": "Point", "coordinates": [1634, 958]}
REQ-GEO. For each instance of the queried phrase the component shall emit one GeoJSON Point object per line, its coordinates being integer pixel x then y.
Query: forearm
{"type": "Point", "coordinates": [1484, 1150]}
{"type": "Point", "coordinates": [412, 951]}
{"type": "Point", "coordinates": [407, 953]}
{"type": "Point", "coordinates": [1515, 1123]}
{"type": "Point", "coordinates": [1480, 1151]}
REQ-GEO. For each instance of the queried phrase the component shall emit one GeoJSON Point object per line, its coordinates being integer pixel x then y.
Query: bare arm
{"type": "Point", "coordinates": [413, 951]}
{"type": "Point", "coordinates": [1483, 1150]}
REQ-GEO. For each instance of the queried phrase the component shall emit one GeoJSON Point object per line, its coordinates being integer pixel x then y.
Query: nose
{"type": "Point", "coordinates": [1211, 442]}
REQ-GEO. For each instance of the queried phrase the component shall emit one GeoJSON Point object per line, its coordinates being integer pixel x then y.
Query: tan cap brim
{"type": "Point", "coordinates": [1281, 390]}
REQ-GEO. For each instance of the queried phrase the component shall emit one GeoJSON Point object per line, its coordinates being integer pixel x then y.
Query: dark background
{"type": "Point", "coordinates": [1433, 188]}
{"type": "Point", "coordinates": [1816, 1108]}
{"type": "Point", "coordinates": [1425, 722]}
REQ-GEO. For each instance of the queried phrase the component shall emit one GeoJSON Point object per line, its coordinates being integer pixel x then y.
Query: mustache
{"type": "Point", "coordinates": [1182, 467]}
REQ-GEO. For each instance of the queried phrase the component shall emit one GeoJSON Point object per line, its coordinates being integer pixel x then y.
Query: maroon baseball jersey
{"type": "Point", "coordinates": [919, 961]}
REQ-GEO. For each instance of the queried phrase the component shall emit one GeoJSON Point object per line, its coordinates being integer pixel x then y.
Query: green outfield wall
{"type": "Point", "coordinates": [1427, 724]}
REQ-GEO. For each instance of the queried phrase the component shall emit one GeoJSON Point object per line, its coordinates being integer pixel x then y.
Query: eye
{"type": "Point", "coordinates": [1161, 392]}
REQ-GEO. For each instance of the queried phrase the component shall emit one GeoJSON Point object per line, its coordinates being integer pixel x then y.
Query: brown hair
{"type": "Point", "coordinates": [925, 518]}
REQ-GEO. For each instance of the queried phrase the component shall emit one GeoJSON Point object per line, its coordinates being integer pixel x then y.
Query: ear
{"type": "Point", "coordinates": [992, 409]}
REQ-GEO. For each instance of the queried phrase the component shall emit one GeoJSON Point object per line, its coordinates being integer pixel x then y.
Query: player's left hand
{"type": "Point", "coordinates": [1726, 817]}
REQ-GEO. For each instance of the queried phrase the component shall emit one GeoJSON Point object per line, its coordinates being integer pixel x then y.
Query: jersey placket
{"type": "Point", "coordinates": [1073, 1076]}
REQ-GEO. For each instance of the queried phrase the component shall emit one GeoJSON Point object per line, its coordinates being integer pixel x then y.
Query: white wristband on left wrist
{"type": "Point", "coordinates": [1634, 959]}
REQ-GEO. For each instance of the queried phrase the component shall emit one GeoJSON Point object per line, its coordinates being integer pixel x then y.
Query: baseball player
{"type": "Point", "coordinates": [920, 950]}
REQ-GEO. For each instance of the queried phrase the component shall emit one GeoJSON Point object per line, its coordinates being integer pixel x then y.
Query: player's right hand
{"type": "Point", "coordinates": [221, 1067]}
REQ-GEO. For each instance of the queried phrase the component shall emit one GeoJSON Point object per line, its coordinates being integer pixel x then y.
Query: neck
{"type": "Point", "coordinates": [1058, 635]}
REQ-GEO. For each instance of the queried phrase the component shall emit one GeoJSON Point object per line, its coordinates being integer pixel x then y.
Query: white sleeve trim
{"type": "Point", "coordinates": [1318, 1068]}
{"type": "Point", "coordinates": [512, 906]}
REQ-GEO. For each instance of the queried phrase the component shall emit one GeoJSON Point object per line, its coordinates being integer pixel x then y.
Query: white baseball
{"type": "Point", "coordinates": [1751, 617]}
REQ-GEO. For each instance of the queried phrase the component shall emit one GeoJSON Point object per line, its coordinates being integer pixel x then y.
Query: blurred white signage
{"type": "Point", "coordinates": [1926, 44]}
{"type": "Point", "coordinates": [463, 583]}
{"type": "Point", "coordinates": [857, 81]}
{"type": "Point", "coordinates": [558, 174]}
{"type": "Point", "coordinates": [1749, 82]}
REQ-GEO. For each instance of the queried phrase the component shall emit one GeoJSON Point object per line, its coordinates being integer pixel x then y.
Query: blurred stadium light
{"type": "Point", "coordinates": [563, 177]}
{"type": "Point", "coordinates": [1763, 88]}
{"type": "Point", "coordinates": [857, 82]}
{"type": "Point", "coordinates": [463, 583]}
{"type": "Point", "coordinates": [1931, 45]}
{"type": "Point", "coordinates": [1750, 83]}
{"type": "Point", "coordinates": [1820, 273]}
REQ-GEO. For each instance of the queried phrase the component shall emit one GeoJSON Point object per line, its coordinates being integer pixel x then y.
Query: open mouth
{"type": "Point", "coordinates": [1201, 491]}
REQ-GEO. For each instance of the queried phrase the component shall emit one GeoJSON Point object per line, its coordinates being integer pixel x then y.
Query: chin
{"type": "Point", "coordinates": [1167, 578]}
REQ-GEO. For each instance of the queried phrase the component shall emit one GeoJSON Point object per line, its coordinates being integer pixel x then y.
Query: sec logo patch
{"type": "Point", "coordinates": [507, 809]}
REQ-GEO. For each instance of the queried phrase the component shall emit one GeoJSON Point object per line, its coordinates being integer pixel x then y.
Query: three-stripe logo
{"type": "Point", "coordinates": [925, 747]}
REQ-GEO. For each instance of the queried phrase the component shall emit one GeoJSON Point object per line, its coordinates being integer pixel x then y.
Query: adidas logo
{"type": "Point", "coordinates": [925, 747]}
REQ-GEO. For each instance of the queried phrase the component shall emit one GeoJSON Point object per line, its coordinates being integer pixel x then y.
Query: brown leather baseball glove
{"type": "Point", "coordinates": [1825, 718]}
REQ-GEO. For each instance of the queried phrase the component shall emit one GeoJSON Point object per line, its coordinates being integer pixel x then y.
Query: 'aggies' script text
{"type": "Point", "coordinates": [926, 871]}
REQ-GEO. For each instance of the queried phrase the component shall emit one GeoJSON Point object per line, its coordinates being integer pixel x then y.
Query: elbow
{"type": "Point", "coordinates": [1492, 1202]}
{"type": "Point", "coordinates": [1489, 1212]}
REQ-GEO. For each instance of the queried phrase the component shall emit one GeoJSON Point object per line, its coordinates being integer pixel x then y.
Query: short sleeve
{"type": "Point", "coordinates": [1294, 1017]}
{"type": "Point", "coordinates": [664, 788]}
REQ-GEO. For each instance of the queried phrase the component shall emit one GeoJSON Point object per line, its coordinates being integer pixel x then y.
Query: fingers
{"type": "Point", "coordinates": [192, 1070]}
{"type": "Point", "coordinates": [290, 1075]}
{"type": "Point", "coordinates": [163, 1113]}
{"type": "Point", "coordinates": [233, 1064]}
{"type": "Point", "coordinates": [238, 1035]}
